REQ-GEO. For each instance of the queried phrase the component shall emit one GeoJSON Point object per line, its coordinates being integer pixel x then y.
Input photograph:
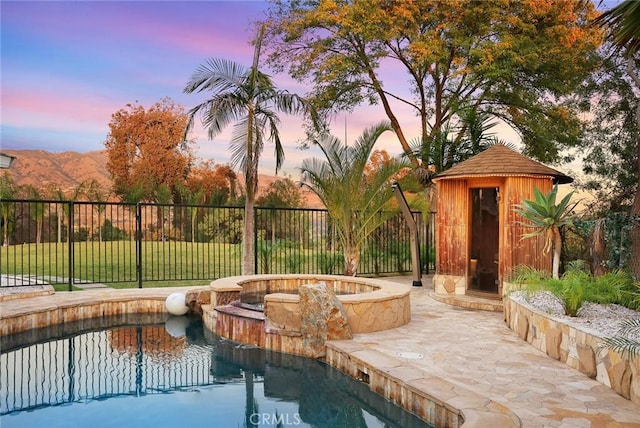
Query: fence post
{"type": "Point", "coordinates": [70, 241]}
{"type": "Point", "coordinates": [138, 235]}
{"type": "Point", "coordinates": [255, 240]}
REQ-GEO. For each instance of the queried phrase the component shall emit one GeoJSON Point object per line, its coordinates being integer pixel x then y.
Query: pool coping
{"type": "Point", "coordinates": [430, 397]}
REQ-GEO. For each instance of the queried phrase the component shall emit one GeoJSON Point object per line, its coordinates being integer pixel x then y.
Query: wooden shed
{"type": "Point", "coordinates": [478, 233]}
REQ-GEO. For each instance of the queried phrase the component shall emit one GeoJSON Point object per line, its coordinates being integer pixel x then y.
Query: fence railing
{"type": "Point", "coordinates": [135, 360]}
{"type": "Point", "coordinates": [65, 242]}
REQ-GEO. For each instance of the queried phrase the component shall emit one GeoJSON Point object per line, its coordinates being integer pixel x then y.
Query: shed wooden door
{"type": "Point", "coordinates": [483, 266]}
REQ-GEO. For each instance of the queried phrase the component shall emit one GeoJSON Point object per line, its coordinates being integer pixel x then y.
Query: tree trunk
{"type": "Point", "coordinates": [248, 256]}
{"type": "Point", "coordinates": [557, 249]}
{"type": "Point", "coordinates": [635, 233]}
{"type": "Point", "coordinates": [5, 230]}
{"type": "Point", "coordinates": [635, 209]}
{"type": "Point", "coordinates": [351, 260]}
{"type": "Point", "coordinates": [59, 214]}
{"type": "Point", "coordinates": [598, 248]}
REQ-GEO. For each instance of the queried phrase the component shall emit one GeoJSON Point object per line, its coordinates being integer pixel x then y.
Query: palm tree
{"type": "Point", "coordinates": [547, 217]}
{"type": "Point", "coordinates": [622, 342]}
{"type": "Point", "coordinates": [623, 25]}
{"type": "Point", "coordinates": [354, 199]}
{"type": "Point", "coordinates": [95, 193]}
{"type": "Point", "coordinates": [250, 99]}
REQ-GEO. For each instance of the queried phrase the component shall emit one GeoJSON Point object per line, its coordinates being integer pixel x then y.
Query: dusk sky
{"type": "Point", "coordinates": [67, 66]}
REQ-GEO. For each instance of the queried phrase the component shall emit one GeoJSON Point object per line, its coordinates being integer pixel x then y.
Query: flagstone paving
{"type": "Point", "coordinates": [476, 349]}
{"type": "Point", "coordinates": [470, 348]}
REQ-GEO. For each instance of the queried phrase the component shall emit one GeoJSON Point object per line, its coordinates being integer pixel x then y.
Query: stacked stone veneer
{"type": "Point", "coordinates": [449, 284]}
{"type": "Point", "coordinates": [86, 305]}
{"type": "Point", "coordinates": [577, 348]}
{"type": "Point", "coordinates": [370, 305]}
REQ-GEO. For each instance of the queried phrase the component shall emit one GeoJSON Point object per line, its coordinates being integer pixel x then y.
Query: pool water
{"type": "Point", "coordinates": [175, 373]}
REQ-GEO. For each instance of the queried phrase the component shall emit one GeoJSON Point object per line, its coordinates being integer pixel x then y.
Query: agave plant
{"type": "Point", "coordinates": [547, 217]}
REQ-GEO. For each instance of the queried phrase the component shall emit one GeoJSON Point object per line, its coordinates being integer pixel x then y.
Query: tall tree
{"type": "Point", "coordinates": [353, 194]}
{"type": "Point", "coordinates": [36, 210]}
{"type": "Point", "coordinates": [514, 60]}
{"type": "Point", "coordinates": [146, 150]}
{"type": "Point", "coordinates": [8, 190]}
{"type": "Point", "coordinates": [215, 183]}
{"type": "Point", "coordinates": [96, 193]}
{"type": "Point", "coordinates": [249, 98]}
{"type": "Point", "coordinates": [623, 24]}
{"type": "Point", "coordinates": [281, 194]}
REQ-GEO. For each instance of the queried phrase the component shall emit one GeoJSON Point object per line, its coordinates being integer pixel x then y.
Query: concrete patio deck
{"type": "Point", "coordinates": [471, 348]}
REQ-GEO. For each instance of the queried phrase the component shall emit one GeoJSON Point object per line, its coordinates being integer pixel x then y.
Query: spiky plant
{"type": "Point", "coordinates": [546, 218]}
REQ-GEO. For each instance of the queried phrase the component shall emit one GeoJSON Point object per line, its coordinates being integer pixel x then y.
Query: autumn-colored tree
{"type": "Point", "coordinates": [514, 60]}
{"type": "Point", "coordinates": [283, 193]}
{"type": "Point", "coordinates": [216, 183]}
{"type": "Point", "coordinates": [146, 150]}
{"type": "Point", "coordinates": [208, 183]}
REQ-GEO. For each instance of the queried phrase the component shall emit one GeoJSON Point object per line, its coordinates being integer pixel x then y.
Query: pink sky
{"type": "Point", "coordinates": [67, 66]}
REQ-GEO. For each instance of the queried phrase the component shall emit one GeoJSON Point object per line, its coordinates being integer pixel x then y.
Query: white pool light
{"type": "Point", "coordinates": [176, 304]}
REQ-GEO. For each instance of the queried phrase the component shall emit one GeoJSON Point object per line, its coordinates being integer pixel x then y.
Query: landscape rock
{"type": "Point", "coordinates": [323, 318]}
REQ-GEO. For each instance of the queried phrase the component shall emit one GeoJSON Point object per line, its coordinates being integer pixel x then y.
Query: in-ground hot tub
{"type": "Point", "coordinates": [369, 304]}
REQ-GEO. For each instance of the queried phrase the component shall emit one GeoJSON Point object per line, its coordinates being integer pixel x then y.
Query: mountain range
{"type": "Point", "coordinates": [66, 170]}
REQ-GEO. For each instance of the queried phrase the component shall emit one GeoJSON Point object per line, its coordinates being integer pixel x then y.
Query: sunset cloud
{"type": "Point", "coordinates": [67, 66]}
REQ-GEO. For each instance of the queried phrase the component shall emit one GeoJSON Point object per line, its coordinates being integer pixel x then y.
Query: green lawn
{"type": "Point", "coordinates": [173, 263]}
{"type": "Point", "coordinates": [114, 262]}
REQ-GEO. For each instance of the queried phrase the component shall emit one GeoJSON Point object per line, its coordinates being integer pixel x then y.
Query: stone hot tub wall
{"type": "Point", "coordinates": [370, 304]}
{"type": "Point", "coordinates": [575, 347]}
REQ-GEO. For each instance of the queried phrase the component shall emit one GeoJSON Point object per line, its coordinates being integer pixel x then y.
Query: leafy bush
{"type": "Point", "coordinates": [109, 232]}
{"type": "Point", "coordinates": [577, 286]}
{"type": "Point", "coordinates": [329, 262]}
{"type": "Point", "coordinates": [294, 262]}
{"type": "Point", "coordinates": [81, 235]}
{"type": "Point", "coordinates": [265, 252]}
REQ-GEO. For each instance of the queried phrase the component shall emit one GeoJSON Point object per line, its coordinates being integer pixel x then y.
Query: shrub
{"type": "Point", "coordinates": [329, 262]}
{"type": "Point", "coordinates": [577, 286]}
{"type": "Point", "coordinates": [294, 262]}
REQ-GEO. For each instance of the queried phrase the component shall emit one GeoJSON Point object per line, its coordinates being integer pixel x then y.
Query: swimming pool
{"type": "Point", "coordinates": [175, 373]}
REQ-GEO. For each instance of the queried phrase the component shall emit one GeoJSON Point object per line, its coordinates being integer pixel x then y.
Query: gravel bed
{"type": "Point", "coordinates": [602, 319]}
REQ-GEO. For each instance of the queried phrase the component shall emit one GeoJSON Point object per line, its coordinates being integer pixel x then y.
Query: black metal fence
{"type": "Point", "coordinates": [136, 360]}
{"type": "Point", "coordinates": [63, 242]}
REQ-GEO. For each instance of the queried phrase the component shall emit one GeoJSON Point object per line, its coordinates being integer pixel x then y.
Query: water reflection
{"type": "Point", "coordinates": [180, 356]}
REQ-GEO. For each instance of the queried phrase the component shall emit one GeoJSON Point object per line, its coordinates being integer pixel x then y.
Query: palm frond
{"type": "Point", "coordinates": [216, 75]}
{"type": "Point", "coordinates": [623, 23]}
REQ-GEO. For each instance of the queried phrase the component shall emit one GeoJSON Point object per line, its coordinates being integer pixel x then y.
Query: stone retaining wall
{"type": "Point", "coordinates": [576, 348]}
{"type": "Point", "coordinates": [370, 305]}
{"type": "Point", "coordinates": [66, 307]}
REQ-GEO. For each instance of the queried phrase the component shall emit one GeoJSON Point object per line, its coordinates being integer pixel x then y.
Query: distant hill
{"type": "Point", "coordinates": [67, 170]}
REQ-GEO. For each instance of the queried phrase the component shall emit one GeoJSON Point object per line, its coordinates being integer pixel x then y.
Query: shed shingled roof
{"type": "Point", "coordinates": [501, 161]}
